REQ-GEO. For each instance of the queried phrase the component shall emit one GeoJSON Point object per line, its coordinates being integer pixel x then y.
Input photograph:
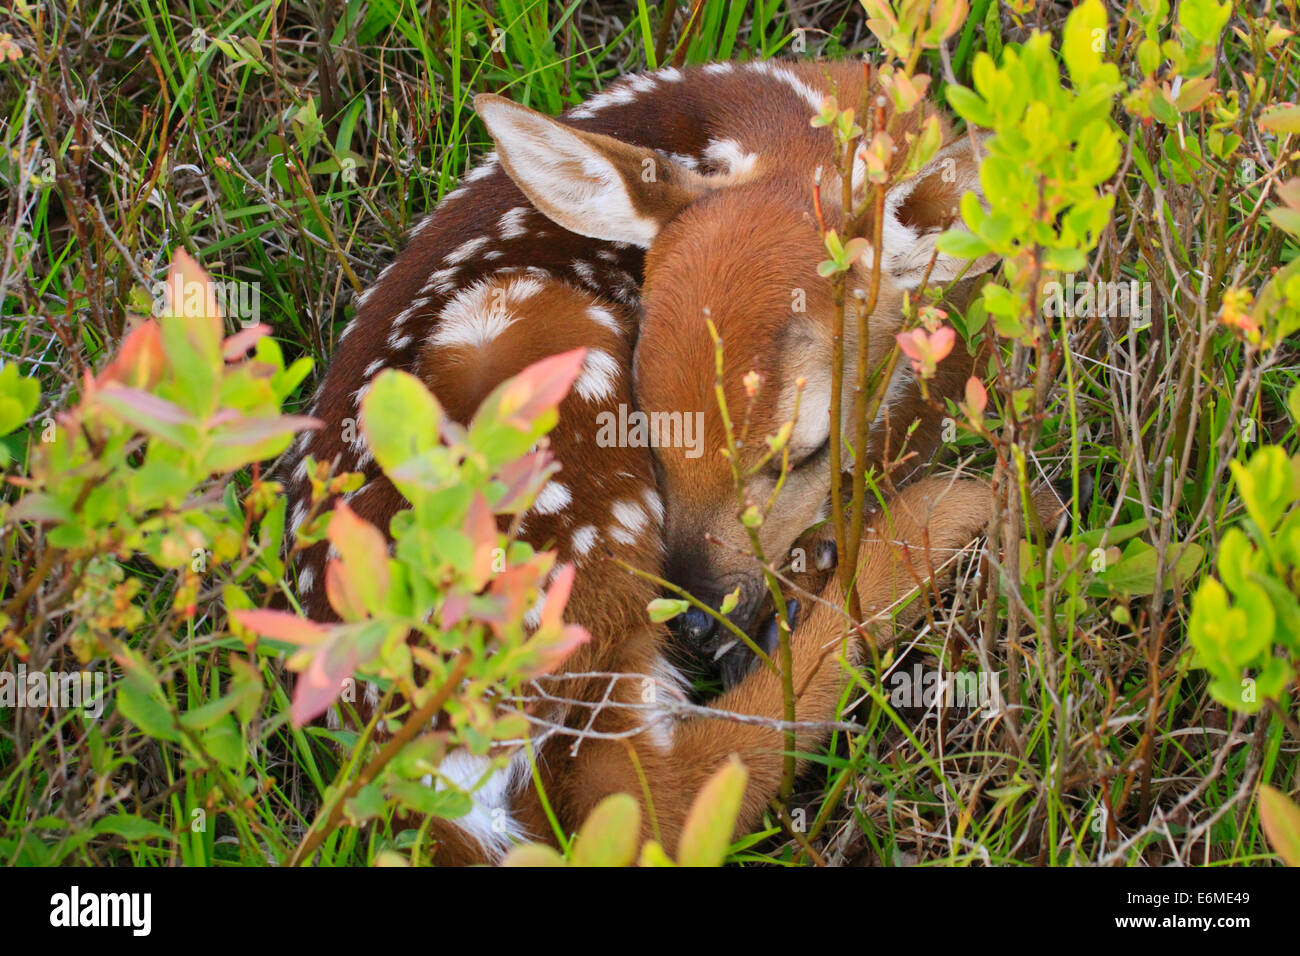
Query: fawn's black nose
{"type": "Point", "coordinates": [767, 638]}
{"type": "Point", "coordinates": [694, 625]}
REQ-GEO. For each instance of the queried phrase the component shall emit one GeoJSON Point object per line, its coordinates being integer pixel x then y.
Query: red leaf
{"type": "Point", "coordinates": [322, 681]}
{"type": "Point", "coordinates": [541, 387]}
{"type": "Point", "coordinates": [342, 592]}
{"type": "Point", "coordinates": [572, 636]}
{"type": "Point", "coordinates": [364, 551]}
{"type": "Point", "coordinates": [557, 596]}
{"type": "Point", "coordinates": [281, 626]}
{"type": "Point", "coordinates": [481, 529]}
{"type": "Point", "coordinates": [140, 360]}
{"type": "Point", "coordinates": [191, 297]}
{"type": "Point", "coordinates": [523, 478]}
{"type": "Point", "coordinates": [251, 431]}
{"type": "Point", "coordinates": [237, 345]}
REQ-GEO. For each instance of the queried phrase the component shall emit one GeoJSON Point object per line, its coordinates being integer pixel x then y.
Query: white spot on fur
{"type": "Point", "coordinates": [655, 504]}
{"type": "Point", "coordinates": [477, 315]}
{"type": "Point", "coordinates": [630, 515]}
{"type": "Point", "coordinates": [599, 376]}
{"type": "Point", "coordinates": [489, 822]}
{"type": "Point", "coordinates": [298, 517]}
{"type": "Point", "coordinates": [681, 159]}
{"type": "Point", "coordinates": [441, 282]}
{"type": "Point", "coordinates": [586, 272]}
{"type": "Point", "coordinates": [552, 499]}
{"type": "Point", "coordinates": [511, 223]}
{"type": "Point", "coordinates": [604, 318]}
{"type": "Point", "coordinates": [718, 69]}
{"type": "Point", "coordinates": [306, 580]}
{"type": "Point", "coordinates": [484, 169]}
{"type": "Point", "coordinates": [810, 96]}
{"type": "Point", "coordinates": [730, 157]}
{"type": "Point", "coordinates": [584, 539]}
{"type": "Point", "coordinates": [466, 249]}
{"type": "Point", "coordinates": [670, 686]}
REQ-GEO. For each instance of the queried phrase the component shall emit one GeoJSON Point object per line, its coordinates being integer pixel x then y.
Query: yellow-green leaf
{"type": "Point", "coordinates": [610, 834]}
{"type": "Point", "coordinates": [1280, 818]}
{"type": "Point", "coordinates": [712, 819]}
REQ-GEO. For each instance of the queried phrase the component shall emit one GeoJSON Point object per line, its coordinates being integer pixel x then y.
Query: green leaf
{"type": "Point", "coordinates": [712, 820]}
{"type": "Point", "coordinates": [131, 827]}
{"type": "Point", "coordinates": [969, 105]}
{"type": "Point", "coordinates": [1268, 484]}
{"type": "Point", "coordinates": [145, 709]}
{"type": "Point", "coordinates": [225, 744]}
{"type": "Point", "coordinates": [961, 244]}
{"type": "Point", "coordinates": [533, 854]}
{"type": "Point", "coordinates": [1085, 29]}
{"type": "Point", "coordinates": [445, 803]}
{"type": "Point", "coordinates": [610, 834]}
{"type": "Point", "coordinates": [665, 609]}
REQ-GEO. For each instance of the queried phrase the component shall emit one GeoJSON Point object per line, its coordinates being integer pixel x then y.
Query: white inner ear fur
{"type": "Point", "coordinates": [569, 181]}
{"type": "Point", "coordinates": [908, 248]}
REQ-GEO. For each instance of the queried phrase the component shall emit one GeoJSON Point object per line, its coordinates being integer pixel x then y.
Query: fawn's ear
{"type": "Point", "coordinates": [919, 210]}
{"type": "Point", "coordinates": [591, 184]}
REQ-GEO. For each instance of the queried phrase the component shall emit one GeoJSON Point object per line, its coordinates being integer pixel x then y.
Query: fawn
{"type": "Point", "coordinates": [544, 250]}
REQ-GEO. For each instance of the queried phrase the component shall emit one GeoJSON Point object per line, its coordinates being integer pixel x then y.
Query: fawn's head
{"type": "Point", "coordinates": [741, 250]}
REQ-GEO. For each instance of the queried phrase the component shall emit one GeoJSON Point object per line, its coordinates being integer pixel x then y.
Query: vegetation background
{"type": "Point", "coordinates": [292, 145]}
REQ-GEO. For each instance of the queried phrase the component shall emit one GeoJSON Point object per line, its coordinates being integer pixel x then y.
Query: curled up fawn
{"type": "Point", "coordinates": [618, 228]}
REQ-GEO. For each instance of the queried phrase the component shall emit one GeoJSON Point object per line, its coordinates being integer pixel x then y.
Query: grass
{"type": "Point", "coordinates": [293, 144]}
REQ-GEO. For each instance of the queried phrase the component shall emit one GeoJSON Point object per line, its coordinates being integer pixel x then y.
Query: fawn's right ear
{"type": "Point", "coordinates": [591, 184]}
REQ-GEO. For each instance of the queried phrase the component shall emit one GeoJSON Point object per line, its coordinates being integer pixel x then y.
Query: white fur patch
{"type": "Point", "coordinates": [477, 315]}
{"type": "Point", "coordinates": [584, 539]}
{"type": "Point", "coordinates": [812, 97]}
{"type": "Point", "coordinates": [655, 504]}
{"type": "Point", "coordinates": [586, 272]}
{"type": "Point", "coordinates": [298, 517]}
{"type": "Point", "coordinates": [604, 318]}
{"type": "Point", "coordinates": [306, 580]}
{"type": "Point", "coordinates": [442, 281]}
{"type": "Point", "coordinates": [490, 821]}
{"type": "Point", "coordinates": [484, 169]}
{"type": "Point", "coordinates": [552, 499]}
{"type": "Point", "coordinates": [599, 376]}
{"type": "Point", "coordinates": [730, 157]}
{"type": "Point", "coordinates": [511, 223]}
{"type": "Point", "coordinates": [466, 249]}
{"type": "Point", "coordinates": [670, 685]}
{"type": "Point", "coordinates": [632, 520]}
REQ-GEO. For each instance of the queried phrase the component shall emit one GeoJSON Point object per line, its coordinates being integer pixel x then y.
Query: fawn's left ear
{"type": "Point", "coordinates": [591, 184]}
{"type": "Point", "coordinates": [919, 210]}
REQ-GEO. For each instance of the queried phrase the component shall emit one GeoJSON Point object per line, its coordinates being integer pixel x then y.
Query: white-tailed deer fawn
{"type": "Point", "coordinates": [544, 250]}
